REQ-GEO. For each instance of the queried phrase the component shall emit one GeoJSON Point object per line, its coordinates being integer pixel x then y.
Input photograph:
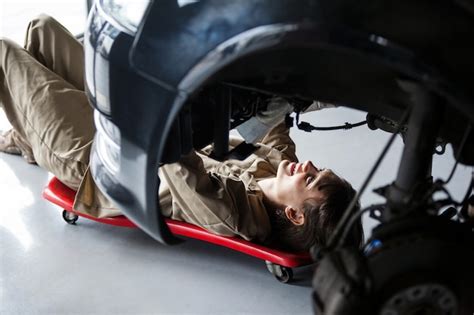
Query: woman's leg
{"type": "Point", "coordinates": [56, 48]}
{"type": "Point", "coordinates": [50, 113]}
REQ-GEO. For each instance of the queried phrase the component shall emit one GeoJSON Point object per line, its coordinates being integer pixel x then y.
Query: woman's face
{"type": "Point", "coordinates": [296, 182]}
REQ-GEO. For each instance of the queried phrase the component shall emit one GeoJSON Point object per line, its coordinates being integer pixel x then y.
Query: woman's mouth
{"type": "Point", "coordinates": [292, 168]}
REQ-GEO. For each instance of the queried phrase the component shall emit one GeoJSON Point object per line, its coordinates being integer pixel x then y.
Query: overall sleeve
{"type": "Point", "coordinates": [279, 139]}
{"type": "Point", "coordinates": [219, 204]}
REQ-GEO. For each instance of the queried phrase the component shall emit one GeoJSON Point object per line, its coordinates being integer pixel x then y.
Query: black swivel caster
{"type": "Point", "coordinates": [70, 217]}
{"type": "Point", "coordinates": [282, 274]}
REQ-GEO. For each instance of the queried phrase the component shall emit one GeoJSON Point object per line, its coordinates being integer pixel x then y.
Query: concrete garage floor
{"type": "Point", "coordinates": [50, 267]}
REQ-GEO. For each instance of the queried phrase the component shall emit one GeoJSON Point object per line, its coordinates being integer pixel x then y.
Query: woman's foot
{"type": "Point", "coordinates": [12, 143]}
{"type": "Point", "coordinates": [7, 144]}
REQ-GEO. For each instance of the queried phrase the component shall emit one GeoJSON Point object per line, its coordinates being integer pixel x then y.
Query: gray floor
{"type": "Point", "coordinates": [50, 267]}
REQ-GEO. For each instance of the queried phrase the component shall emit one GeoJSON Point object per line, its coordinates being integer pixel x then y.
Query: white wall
{"type": "Point", "coordinates": [15, 15]}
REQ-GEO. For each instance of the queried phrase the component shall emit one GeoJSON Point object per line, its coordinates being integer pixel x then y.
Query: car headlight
{"type": "Point", "coordinates": [107, 142]}
{"type": "Point", "coordinates": [126, 12]}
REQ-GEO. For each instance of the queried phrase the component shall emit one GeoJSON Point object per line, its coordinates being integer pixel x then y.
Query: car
{"type": "Point", "coordinates": [168, 76]}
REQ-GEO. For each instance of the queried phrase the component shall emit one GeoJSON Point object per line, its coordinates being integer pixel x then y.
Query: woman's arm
{"type": "Point", "coordinates": [279, 138]}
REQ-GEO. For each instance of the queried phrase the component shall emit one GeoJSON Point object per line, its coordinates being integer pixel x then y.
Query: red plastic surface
{"type": "Point", "coordinates": [63, 196]}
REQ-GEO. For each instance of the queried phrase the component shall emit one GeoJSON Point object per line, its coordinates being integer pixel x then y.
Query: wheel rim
{"type": "Point", "coordinates": [421, 299]}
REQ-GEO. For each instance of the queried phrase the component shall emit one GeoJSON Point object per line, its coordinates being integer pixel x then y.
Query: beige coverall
{"type": "Point", "coordinates": [42, 93]}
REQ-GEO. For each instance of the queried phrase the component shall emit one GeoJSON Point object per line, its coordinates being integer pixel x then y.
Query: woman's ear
{"type": "Point", "coordinates": [296, 216]}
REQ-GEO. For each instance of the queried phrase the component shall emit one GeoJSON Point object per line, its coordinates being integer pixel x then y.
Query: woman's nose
{"type": "Point", "coordinates": [307, 166]}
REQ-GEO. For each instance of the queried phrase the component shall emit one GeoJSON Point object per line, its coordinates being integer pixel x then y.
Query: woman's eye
{"type": "Point", "coordinates": [309, 179]}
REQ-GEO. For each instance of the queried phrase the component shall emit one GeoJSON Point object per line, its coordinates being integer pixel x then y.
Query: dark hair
{"type": "Point", "coordinates": [320, 221]}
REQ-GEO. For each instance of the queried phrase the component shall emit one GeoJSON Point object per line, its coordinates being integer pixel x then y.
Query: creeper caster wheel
{"type": "Point", "coordinates": [70, 217]}
{"type": "Point", "coordinates": [282, 274]}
